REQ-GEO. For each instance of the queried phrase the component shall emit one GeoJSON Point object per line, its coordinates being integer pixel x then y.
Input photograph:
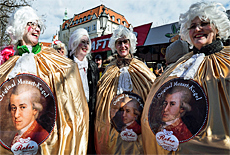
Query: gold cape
{"type": "Point", "coordinates": [70, 133]}
{"type": "Point", "coordinates": [213, 75]}
{"type": "Point", "coordinates": [107, 139]}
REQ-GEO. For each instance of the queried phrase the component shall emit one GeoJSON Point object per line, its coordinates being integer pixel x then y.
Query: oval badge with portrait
{"type": "Point", "coordinates": [125, 114]}
{"type": "Point", "coordinates": [28, 112]}
{"type": "Point", "coordinates": [179, 109]}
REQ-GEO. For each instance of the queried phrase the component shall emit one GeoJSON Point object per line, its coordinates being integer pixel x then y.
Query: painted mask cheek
{"type": "Point", "coordinates": [80, 45]}
{"type": "Point", "coordinates": [29, 28]}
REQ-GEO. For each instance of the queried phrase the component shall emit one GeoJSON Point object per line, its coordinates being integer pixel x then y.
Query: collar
{"type": "Point", "coordinates": [215, 46]}
{"type": "Point", "coordinates": [123, 62]}
{"type": "Point", "coordinates": [20, 132]}
{"type": "Point", "coordinates": [24, 49]}
{"type": "Point", "coordinates": [128, 124]}
{"type": "Point", "coordinates": [81, 64]}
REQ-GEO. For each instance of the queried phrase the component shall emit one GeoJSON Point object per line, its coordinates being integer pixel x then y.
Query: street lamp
{"type": "Point", "coordinates": [103, 20]}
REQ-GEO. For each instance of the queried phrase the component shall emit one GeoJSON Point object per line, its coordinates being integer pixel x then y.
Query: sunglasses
{"type": "Point", "coordinates": [200, 25]}
{"type": "Point", "coordinates": [119, 42]}
{"type": "Point", "coordinates": [34, 25]}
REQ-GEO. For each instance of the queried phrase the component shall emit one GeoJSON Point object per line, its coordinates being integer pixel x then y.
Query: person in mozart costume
{"type": "Point", "coordinates": [80, 46]}
{"type": "Point", "coordinates": [70, 133]}
{"type": "Point", "coordinates": [203, 26]}
{"type": "Point", "coordinates": [125, 73]}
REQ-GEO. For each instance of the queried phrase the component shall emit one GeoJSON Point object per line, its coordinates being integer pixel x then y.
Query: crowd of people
{"type": "Point", "coordinates": [108, 110]}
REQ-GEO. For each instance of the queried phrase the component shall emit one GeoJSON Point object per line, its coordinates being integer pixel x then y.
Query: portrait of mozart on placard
{"type": "Point", "coordinates": [27, 110]}
{"type": "Point", "coordinates": [179, 106]}
{"type": "Point", "coordinates": [125, 112]}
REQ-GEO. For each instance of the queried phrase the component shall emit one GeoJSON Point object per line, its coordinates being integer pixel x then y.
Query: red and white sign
{"type": "Point", "coordinates": [128, 135]}
{"type": "Point", "coordinates": [100, 44]}
{"type": "Point", "coordinates": [167, 140]}
{"type": "Point", "coordinates": [25, 146]}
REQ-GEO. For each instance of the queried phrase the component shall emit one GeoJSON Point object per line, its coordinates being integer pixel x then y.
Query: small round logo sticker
{"type": "Point", "coordinates": [125, 114]}
{"type": "Point", "coordinates": [28, 113]}
{"type": "Point", "coordinates": [179, 107]}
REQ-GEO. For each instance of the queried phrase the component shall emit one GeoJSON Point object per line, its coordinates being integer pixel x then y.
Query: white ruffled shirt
{"type": "Point", "coordinates": [125, 82]}
{"type": "Point", "coordinates": [25, 64]}
{"type": "Point", "coordinates": [83, 66]}
{"type": "Point", "coordinates": [21, 132]}
{"type": "Point", "coordinates": [188, 69]}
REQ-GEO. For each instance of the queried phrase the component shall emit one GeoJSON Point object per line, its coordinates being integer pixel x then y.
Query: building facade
{"type": "Point", "coordinates": [90, 21]}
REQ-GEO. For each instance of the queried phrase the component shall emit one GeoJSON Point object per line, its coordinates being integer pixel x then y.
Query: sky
{"type": "Point", "coordinates": [136, 12]}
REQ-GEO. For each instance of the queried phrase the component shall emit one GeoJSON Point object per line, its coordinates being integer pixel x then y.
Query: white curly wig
{"type": "Point", "coordinates": [75, 39]}
{"type": "Point", "coordinates": [214, 12]}
{"type": "Point", "coordinates": [120, 32]}
{"type": "Point", "coordinates": [18, 21]}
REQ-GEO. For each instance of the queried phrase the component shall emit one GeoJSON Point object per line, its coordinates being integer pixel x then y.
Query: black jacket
{"type": "Point", "coordinates": [93, 77]}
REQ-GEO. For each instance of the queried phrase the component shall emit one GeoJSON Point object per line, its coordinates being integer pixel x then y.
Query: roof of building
{"type": "Point", "coordinates": [92, 13]}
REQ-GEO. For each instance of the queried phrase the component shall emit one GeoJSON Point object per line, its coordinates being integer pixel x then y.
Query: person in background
{"type": "Point", "coordinates": [158, 70]}
{"type": "Point", "coordinates": [80, 46]}
{"type": "Point", "coordinates": [124, 73]}
{"type": "Point", "coordinates": [175, 51]}
{"type": "Point", "coordinates": [99, 62]}
{"type": "Point", "coordinates": [59, 73]}
{"type": "Point", "coordinates": [202, 26]}
{"type": "Point", "coordinates": [60, 47]}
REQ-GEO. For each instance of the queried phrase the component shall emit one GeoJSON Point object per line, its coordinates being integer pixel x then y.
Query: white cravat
{"type": "Point", "coordinates": [25, 64]}
{"type": "Point", "coordinates": [125, 82]}
{"type": "Point", "coordinates": [83, 66]}
{"type": "Point", "coordinates": [21, 132]}
{"type": "Point", "coordinates": [188, 69]}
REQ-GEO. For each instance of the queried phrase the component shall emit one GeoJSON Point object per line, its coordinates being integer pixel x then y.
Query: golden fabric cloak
{"type": "Point", "coordinates": [70, 133]}
{"type": "Point", "coordinates": [107, 139]}
{"type": "Point", "coordinates": [213, 75]}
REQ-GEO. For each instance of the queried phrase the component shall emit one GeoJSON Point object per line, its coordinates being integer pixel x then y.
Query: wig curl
{"type": "Point", "coordinates": [75, 39]}
{"type": "Point", "coordinates": [213, 12]}
{"type": "Point", "coordinates": [120, 32]}
{"type": "Point", "coordinates": [18, 21]}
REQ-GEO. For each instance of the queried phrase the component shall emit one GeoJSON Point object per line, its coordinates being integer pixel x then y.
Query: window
{"type": "Point", "coordinates": [119, 21]}
{"type": "Point", "coordinates": [89, 17]}
{"type": "Point", "coordinates": [94, 16]}
{"type": "Point", "coordinates": [84, 18]}
{"type": "Point", "coordinates": [65, 26]}
{"type": "Point", "coordinates": [76, 21]}
{"type": "Point", "coordinates": [89, 29]}
{"type": "Point", "coordinates": [80, 20]}
{"type": "Point", "coordinates": [113, 18]}
{"type": "Point", "coordinates": [124, 23]}
{"type": "Point", "coordinates": [94, 27]}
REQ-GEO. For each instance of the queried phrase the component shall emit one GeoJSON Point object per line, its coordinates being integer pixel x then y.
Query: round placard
{"type": "Point", "coordinates": [179, 106]}
{"type": "Point", "coordinates": [125, 114]}
{"type": "Point", "coordinates": [27, 110]}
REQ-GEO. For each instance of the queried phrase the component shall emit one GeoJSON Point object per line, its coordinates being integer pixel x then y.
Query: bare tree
{"type": "Point", "coordinates": [7, 7]}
